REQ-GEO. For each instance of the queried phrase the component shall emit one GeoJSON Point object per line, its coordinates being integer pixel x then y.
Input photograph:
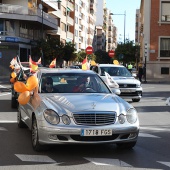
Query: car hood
{"type": "Point", "coordinates": [85, 102]}
{"type": "Point", "coordinates": [127, 80]}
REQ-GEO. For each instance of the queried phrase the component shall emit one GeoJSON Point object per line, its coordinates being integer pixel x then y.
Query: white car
{"type": "Point", "coordinates": [129, 86]}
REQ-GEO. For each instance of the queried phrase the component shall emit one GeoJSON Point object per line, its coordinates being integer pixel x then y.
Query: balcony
{"type": "Point", "coordinates": [54, 32]}
{"type": "Point", "coordinates": [70, 6]}
{"type": "Point", "coordinates": [17, 12]}
{"type": "Point", "coordinates": [70, 21]}
{"type": "Point", "coordinates": [69, 35]}
{"type": "Point", "coordinates": [57, 14]}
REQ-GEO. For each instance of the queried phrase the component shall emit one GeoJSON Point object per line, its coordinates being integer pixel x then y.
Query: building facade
{"type": "Point", "coordinates": [155, 38]}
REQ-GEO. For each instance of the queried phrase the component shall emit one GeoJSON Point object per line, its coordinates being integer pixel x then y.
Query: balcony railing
{"type": "Point", "coordinates": [17, 9]}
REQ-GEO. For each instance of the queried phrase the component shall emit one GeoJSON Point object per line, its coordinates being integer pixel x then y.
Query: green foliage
{"type": "Point", "coordinates": [126, 52]}
{"type": "Point", "coordinates": [68, 50]}
{"type": "Point", "coordinates": [54, 48]}
{"type": "Point", "coordinates": [102, 57]}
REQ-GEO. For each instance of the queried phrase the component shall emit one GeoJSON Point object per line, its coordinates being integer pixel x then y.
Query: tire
{"type": "Point", "coordinates": [34, 136]}
{"type": "Point", "coordinates": [126, 145]}
{"type": "Point", "coordinates": [135, 100]}
{"type": "Point", "coordinates": [21, 124]}
{"type": "Point", "coordinates": [14, 103]}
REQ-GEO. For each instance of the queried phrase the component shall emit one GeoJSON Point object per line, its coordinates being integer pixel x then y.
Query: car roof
{"type": "Point", "coordinates": [65, 70]}
{"type": "Point", "coordinates": [110, 65]}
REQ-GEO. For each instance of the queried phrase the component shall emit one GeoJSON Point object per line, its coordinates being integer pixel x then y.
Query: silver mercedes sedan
{"type": "Point", "coordinates": [73, 106]}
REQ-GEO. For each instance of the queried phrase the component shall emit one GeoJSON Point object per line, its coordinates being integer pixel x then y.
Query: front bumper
{"type": "Point", "coordinates": [131, 93]}
{"type": "Point", "coordinates": [72, 135]}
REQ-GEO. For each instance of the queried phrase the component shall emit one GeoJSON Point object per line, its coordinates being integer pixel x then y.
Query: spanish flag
{"type": "Point", "coordinates": [33, 65]}
{"type": "Point", "coordinates": [53, 64]}
{"type": "Point", "coordinates": [85, 64]}
{"type": "Point", "coordinates": [39, 61]}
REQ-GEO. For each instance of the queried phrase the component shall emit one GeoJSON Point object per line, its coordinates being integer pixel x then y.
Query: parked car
{"type": "Point", "coordinates": [93, 115]}
{"type": "Point", "coordinates": [129, 86]}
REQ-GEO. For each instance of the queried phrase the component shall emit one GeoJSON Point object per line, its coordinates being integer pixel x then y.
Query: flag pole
{"type": "Point", "coordinates": [20, 67]}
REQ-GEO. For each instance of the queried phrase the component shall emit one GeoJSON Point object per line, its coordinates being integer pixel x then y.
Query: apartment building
{"type": "Point", "coordinates": [106, 32]}
{"type": "Point", "coordinates": [84, 26]}
{"type": "Point", "coordinates": [155, 38]}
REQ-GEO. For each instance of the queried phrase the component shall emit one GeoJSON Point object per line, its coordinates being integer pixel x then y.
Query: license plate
{"type": "Point", "coordinates": [94, 132]}
{"type": "Point", "coordinates": [127, 90]}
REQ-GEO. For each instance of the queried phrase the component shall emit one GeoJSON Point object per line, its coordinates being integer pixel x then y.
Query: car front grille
{"type": "Point", "coordinates": [96, 118]}
{"type": "Point", "coordinates": [127, 85]}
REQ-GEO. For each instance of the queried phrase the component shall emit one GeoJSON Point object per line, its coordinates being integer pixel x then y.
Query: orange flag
{"type": "Point", "coordinates": [33, 65]}
{"type": "Point", "coordinates": [85, 64]}
{"type": "Point", "coordinates": [53, 64]}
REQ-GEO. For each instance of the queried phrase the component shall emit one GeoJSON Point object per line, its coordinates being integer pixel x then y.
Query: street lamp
{"type": "Point", "coordinates": [124, 22]}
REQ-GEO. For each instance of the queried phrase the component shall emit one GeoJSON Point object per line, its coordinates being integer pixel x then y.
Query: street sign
{"type": "Point", "coordinates": [111, 53]}
{"type": "Point", "coordinates": [89, 50]}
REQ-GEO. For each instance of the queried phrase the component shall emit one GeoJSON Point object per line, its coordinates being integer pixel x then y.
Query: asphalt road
{"type": "Point", "coordinates": [151, 152]}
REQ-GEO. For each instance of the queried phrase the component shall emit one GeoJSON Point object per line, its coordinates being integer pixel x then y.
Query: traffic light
{"type": "Point", "coordinates": [146, 49]}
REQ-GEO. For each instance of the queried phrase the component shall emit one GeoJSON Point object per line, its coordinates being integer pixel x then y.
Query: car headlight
{"type": "Point", "coordinates": [121, 118]}
{"type": "Point", "coordinates": [66, 120]}
{"type": "Point", "coordinates": [51, 116]}
{"type": "Point", "coordinates": [138, 85]}
{"type": "Point", "coordinates": [131, 116]}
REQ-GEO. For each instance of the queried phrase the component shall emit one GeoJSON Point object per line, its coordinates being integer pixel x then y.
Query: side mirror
{"type": "Point", "coordinates": [116, 91]}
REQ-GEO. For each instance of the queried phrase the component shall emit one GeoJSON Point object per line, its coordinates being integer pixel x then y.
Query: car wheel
{"type": "Point", "coordinates": [135, 100]}
{"type": "Point", "coordinates": [126, 145]}
{"type": "Point", "coordinates": [21, 124]}
{"type": "Point", "coordinates": [35, 139]}
{"type": "Point", "coordinates": [14, 102]}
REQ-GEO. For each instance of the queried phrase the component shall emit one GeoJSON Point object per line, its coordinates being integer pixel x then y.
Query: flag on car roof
{"type": "Point", "coordinates": [15, 63]}
{"type": "Point", "coordinates": [85, 64]}
{"type": "Point", "coordinates": [53, 64]}
{"type": "Point", "coordinates": [39, 61]}
{"type": "Point", "coordinates": [33, 65]}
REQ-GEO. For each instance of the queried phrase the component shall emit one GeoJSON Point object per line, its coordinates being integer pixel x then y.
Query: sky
{"type": "Point", "coordinates": [127, 7]}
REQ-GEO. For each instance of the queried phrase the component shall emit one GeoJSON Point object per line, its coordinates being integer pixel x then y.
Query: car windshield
{"type": "Point", "coordinates": [116, 71]}
{"type": "Point", "coordinates": [72, 83]}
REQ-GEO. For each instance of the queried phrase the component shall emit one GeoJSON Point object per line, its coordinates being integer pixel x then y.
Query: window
{"type": "Point", "coordinates": [1, 27]}
{"type": "Point", "coordinates": [164, 70]}
{"type": "Point", "coordinates": [165, 12]}
{"type": "Point", "coordinates": [165, 47]}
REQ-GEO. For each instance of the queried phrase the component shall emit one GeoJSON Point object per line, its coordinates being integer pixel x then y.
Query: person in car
{"type": "Point", "coordinates": [48, 86]}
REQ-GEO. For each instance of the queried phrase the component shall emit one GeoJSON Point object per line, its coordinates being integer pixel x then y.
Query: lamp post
{"type": "Point", "coordinates": [124, 23]}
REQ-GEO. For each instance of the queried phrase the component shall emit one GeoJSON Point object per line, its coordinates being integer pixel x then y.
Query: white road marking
{"type": "Point", "coordinates": [164, 163]}
{"type": "Point", "coordinates": [5, 94]}
{"type": "Point", "coordinates": [8, 117]}
{"type": "Point", "coordinates": [3, 129]}
{"type": "Point", "coordinates": [147, 135]}
{"type": "Point", "coordinates": [35, 158]}
{"type": "Point", "coordinates": [108, 162]}
{"type": "Point", "coordinates": [155, 129]}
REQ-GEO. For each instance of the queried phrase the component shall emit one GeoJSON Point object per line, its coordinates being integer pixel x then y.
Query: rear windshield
{"type": "Point", "coordinates": [116, 71]}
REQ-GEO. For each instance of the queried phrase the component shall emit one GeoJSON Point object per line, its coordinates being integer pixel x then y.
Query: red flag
{"type": "Point", "coordinates": [33, 65]}
{"type": "Point", "coordinates": [53, 63]}
{"type": "Point", "coordinates": [39, 61]}
{"type": "Point", "coordinates": [85, 64]}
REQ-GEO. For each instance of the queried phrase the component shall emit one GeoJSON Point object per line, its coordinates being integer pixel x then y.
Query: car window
{"type": "Point", "coordinates": [67, 82]}
{"type": "Point", "coordinates": [115, 71]}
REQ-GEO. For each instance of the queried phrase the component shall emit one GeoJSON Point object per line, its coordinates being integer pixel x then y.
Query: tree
{"type": "Point", "coordinates": [126, 52]}
{"type": "Point", "coordinates": [68, 52]}
{"type": "Point", "coordinates": [102, 57]}
{"type": "Point", "coordinates": [54, 48]}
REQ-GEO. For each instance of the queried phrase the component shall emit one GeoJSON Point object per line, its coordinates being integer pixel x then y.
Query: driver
{"type": "Point", "coordinates": [81, 85]}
